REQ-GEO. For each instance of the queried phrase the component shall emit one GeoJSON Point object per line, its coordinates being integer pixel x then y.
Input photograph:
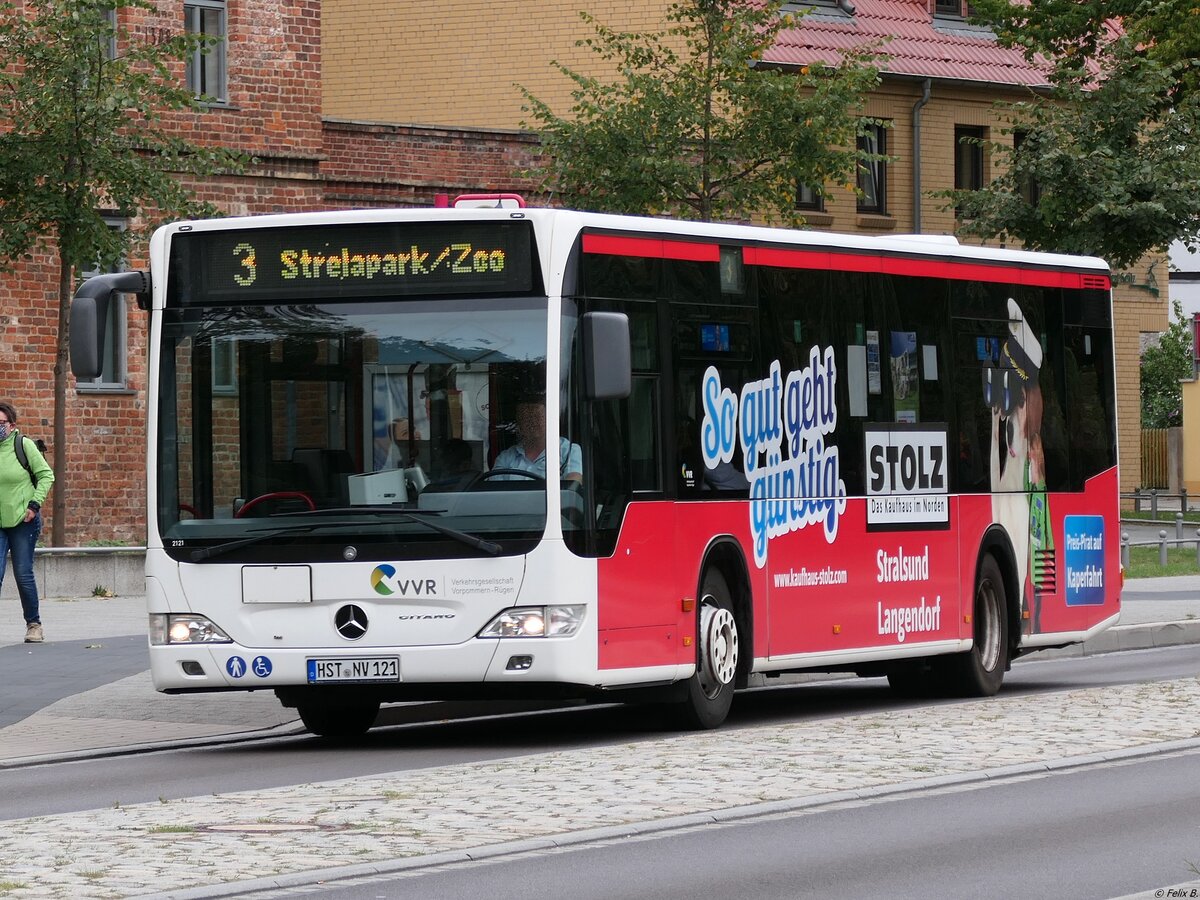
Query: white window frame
{"type": "Point", "coordinates": [208, 73]}
{"type": "Point", "coordinates": [873, 172]}
{"type": "Point", "coordinates": [224, 366]}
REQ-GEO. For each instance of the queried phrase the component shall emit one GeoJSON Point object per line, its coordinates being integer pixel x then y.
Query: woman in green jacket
{"type": "Point", "coordinates": [22, 492]}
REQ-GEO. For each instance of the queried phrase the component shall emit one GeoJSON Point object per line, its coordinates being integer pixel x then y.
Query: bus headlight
{"type": "Point", "coordinates": [535, 621]}
{"type": "Point", "coordinates": [185, 628]}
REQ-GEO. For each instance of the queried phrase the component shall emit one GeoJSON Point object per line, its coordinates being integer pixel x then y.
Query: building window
{"type": "Point", "coordinates": [953, 9]}
{"type": "Point", "coordinates": [968, 157]}
{"type": "Point", "coordinates": [872, 173]}
{"type": "Point", "coordinates": [224, 366]}
{"type": "Point", "coordinates": [108, 43]}
{"type": "Point", "coordinates": [810, 198]}
{"type": "Point", "coordinates": [113, 359]}
{"type": "Point", "coordinates": [206, 69]}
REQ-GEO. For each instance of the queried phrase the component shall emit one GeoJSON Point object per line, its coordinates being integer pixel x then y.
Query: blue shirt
{"type": "Point", "coordinates": [514, 458]}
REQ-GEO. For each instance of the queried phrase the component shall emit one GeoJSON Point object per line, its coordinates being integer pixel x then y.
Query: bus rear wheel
{"type": "Point", "coordinates": [341, 720]}
{"type": "Point", "coordinates": [710, 689]}
{"type": "Point", "coordinates": [980, 671]}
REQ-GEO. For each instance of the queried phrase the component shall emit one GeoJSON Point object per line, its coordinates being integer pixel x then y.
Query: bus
{"type": "Point", "coordinates": [761, 451]}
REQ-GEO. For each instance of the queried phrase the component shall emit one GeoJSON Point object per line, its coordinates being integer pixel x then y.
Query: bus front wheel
{"type": "Point", "coordinates": [980, 671]}
{"type": "Point", "coordinates": [710, 689]}
{"type": "Point", "coordinates": [341, 720]}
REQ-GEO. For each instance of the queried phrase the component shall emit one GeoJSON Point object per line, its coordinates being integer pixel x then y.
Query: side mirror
{"type": "Point", "coordinates": [607, 366]}
{"type": "Point", "coordinates": [89, 317]}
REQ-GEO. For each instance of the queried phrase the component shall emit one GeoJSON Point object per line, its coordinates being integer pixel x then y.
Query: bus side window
{"type": "Point", "coordinates": [692, 473]}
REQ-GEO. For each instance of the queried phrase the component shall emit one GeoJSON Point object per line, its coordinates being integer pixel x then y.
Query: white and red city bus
{"type": "Point", "coordinates": [771, 451]}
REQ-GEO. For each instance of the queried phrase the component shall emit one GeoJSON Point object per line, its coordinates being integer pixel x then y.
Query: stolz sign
{"type": "Point", "coordinates": [907, 477]}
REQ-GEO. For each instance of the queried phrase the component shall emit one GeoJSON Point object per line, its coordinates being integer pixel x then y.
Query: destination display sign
{"type": "Point", "coordinates": [313, 263]}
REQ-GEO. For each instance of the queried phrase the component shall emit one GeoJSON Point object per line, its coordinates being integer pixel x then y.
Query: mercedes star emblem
{"type": "Point", "coordinates": [351, 622]}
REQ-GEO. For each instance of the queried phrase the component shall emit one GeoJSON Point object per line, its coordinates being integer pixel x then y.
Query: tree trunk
{"type": "Point", "coordinates": [61, 481]}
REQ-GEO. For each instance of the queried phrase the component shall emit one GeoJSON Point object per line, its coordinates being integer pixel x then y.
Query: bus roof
{"type": "Point", "coordinates": [574, 222]}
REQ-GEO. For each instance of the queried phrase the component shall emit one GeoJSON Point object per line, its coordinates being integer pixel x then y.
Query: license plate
{"type": "Point", "coordinates": [370, 668]}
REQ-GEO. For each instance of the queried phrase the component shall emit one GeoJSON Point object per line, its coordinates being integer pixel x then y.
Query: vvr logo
{"type": "Point", "coordinates": [384, 581]}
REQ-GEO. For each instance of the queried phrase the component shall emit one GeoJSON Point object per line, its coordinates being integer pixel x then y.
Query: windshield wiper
{"type": "Point", "coordinates": [229, 546]}
{"type": "Point", "coordinates": [489, 547]}
{"type": "Point", "coordinates": [465, 537]}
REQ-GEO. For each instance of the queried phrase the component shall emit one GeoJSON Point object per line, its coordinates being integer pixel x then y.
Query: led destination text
{"type": "Point", "coordinates": [413, 262]}
{"type": "Point", "coordinates": [345, 261]}
{"type": "Point", "coordinates": [459, 259]}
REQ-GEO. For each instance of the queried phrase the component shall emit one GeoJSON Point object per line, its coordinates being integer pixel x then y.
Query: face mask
{"type": "Point", "coordinates": [5, 430]}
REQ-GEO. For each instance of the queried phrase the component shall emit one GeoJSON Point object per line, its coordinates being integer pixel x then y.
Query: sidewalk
{"type": "Point", "coordinates": [127, 711]}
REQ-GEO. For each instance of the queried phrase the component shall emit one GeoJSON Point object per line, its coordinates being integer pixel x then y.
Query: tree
{"type": "Point", "coordinates": [694, 124]}
{"type": "Point", "coordinates": [86, 135]}
{"type": "Point", "coordinates": [1075, 34]}
{"type": "Point", "coordinates": [1103, 162]}
{"type": "Point", "coordinates": [1163, 365]}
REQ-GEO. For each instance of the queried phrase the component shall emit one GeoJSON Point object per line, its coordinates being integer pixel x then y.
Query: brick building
{"type": "Point", "coordinates": [355, 103]}
{"type": "Point", "coordinates": [267, 77]}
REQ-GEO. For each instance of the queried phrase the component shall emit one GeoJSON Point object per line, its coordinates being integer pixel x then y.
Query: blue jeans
{"type": "Point", "coordinates": [20, 541]}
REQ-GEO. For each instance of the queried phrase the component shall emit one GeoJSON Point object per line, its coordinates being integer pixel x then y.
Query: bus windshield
{"type": "Point", "coordinates": [391, 426]}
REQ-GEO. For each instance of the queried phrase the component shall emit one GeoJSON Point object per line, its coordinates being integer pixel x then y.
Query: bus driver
{"type": "Point", "coordinates": [529, 453]}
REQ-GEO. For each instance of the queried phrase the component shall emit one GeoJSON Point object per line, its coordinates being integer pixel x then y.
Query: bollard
{"type": "Point", "coordinates": [1154, 503]}
{"type": "Point", "coordinates": [1162, 548]}
{"type": "Point", "coordinates": [1125, 549]}
{"type": "Point", "coordinates": [1183, 499]}
{"type": "Point", "coordinates": [1198, 547]}
{"type": "Point", "coordinates": [1178, 526]}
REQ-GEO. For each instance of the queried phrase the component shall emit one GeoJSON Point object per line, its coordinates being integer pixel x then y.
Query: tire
{"type": "Point", "coordinates": [980, 671]}
{"type": "Point", "coordinates": [710, 690]}
{"type": "Point", "coordinates": [344, 720]}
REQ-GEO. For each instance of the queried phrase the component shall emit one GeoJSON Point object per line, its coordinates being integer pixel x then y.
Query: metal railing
{"type": "Point", "coordinates": [1163, 543]}
{"type": "Point", "coordinates": [73, 551]}
{"type": "Point", "coordinates": [1156, 500]}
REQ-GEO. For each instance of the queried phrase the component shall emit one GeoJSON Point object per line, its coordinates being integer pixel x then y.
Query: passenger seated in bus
{"type": "Point", "coordinates": [725, 476]}
{"type": "Point", "coordinates": [529, 453]}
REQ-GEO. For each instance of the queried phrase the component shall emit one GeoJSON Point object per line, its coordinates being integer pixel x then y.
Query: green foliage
{"type": "Point", "coordinates": [695, 125]}
{"type": "Point", "coordinates": [1144, 562]}
{"type": "Point", "coordinates": [1074, 34]}
{"type": "Point", "coordinates": [86, 129]}
{"type": "Point", "coordinates": [1111, 147]}
{"type": "Point", "coordinates": [1108, 164]}
{"type": "Point", "coordinates": [1163, 365]}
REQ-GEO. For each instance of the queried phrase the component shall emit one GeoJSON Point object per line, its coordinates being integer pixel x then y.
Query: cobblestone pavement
{"type": "Point", "coordinates": [301, 833]}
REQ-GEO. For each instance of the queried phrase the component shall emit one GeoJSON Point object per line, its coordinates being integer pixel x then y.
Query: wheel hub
{"type": "Point", "coordinates": [718, 646]}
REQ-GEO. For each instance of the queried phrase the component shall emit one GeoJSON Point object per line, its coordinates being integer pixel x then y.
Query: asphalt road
{"type": "Point", "coordinates": [275, 762]}
{"type": "Point", "coordinates": [35, 678]}
{"type": "Point", "coordinates": [1103, 831]}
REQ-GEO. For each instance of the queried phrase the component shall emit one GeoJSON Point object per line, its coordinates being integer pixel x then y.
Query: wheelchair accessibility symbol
{"type": "Point", "coordinates": [235, 666]}
{"type": "Point", "coordinates": [261, 666]}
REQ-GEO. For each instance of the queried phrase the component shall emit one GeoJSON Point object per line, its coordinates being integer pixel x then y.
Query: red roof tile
{"type": "Point", "coordinates": [916, 47]}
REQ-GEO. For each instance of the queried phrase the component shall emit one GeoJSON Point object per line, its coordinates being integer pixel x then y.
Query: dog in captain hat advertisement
{"type": "Point", "coordinates": [1012, 390]}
